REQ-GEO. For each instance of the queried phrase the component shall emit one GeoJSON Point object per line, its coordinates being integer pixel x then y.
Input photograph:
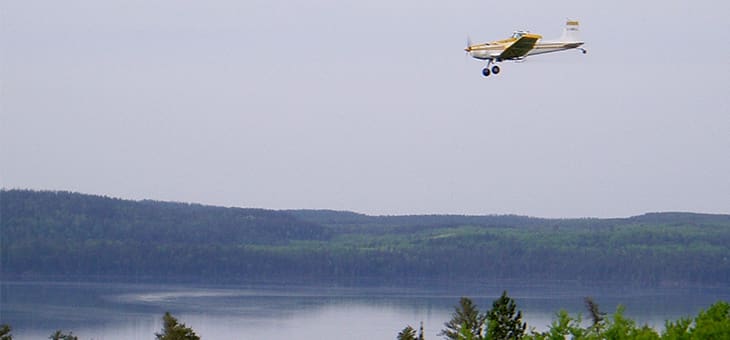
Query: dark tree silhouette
{"type": "Point", "coordinates": [465, 316]}
{"type": "Point", "coordinates": [505, 321]}
{"type": "Point", "coordinates": [172, 330]}
{"type": "Point", "coordinates": [597, 316]}
{"type": "Point", "coordinates": [59, 335]}
{"type": "Point", "coordinates": [5, 333]}
{"type": "Point", "coordinates": [407, 333]}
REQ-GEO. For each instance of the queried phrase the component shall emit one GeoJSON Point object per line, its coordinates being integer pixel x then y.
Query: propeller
{"type": "Point", "coordinates": [468, 45]}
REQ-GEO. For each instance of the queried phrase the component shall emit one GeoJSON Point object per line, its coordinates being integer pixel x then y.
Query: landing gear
{"type": "Point", "coordinates": [583, 50]}
{"type": "Point", "coordinates": [494, 69]}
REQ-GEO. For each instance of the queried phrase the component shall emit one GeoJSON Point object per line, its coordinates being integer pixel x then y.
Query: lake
{"type": "Point", "coordinates": [290, 311]}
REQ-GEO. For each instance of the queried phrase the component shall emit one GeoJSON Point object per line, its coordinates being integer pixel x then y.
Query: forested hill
{"type": "Point", "coordinates": [65, 216]}
{"type": "Point", "coordinates": [342, 221]}
{"type": "Point", "coordinates": [62, 233]}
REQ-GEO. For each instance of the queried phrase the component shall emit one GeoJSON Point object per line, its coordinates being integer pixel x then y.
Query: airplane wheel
{"type": "Point", "coordinates": [485, 72]}
{"type": "Point", "coordinates": [495, 69]}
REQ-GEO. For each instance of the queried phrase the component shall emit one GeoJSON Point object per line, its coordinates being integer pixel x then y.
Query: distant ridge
{"type": "Point", "coordinates": [83, 216]}
{"type": "Point", "coordinates": [345, 216]}
{"type": "Point", "coordinates": [66, 234]}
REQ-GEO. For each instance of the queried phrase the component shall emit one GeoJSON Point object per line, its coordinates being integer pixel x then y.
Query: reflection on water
{"type": "Point", "coordinates": [134, 311]}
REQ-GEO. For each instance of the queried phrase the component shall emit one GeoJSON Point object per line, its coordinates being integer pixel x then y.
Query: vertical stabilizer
{"type": "Point", "coordinates": [570, 32]}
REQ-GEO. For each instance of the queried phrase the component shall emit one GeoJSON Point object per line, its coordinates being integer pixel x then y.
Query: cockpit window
{"type": "Point", "coordinates": [518, 34]}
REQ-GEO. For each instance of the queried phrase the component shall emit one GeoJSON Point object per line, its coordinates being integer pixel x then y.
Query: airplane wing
{"type": "Point", "coordinates": [520, 47]}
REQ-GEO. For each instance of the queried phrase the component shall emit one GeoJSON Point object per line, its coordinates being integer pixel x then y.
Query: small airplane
{"type": "Point", "coordinates": [523, 44]}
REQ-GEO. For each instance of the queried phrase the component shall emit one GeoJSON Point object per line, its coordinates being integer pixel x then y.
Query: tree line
{"type": "Point", "coordinates": [64, 233]}
{"type": "Point", "coordinates": [504, 322]}
{"type": "Point", "coordinates": [171, 330]}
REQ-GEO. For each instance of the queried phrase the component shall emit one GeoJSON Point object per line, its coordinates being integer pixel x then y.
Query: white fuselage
{"type": "Point", "coordinates": [493, 50]}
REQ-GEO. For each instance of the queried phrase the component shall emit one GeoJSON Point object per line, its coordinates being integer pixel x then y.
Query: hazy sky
{"type": "Point", "coordinates": [369, 106]}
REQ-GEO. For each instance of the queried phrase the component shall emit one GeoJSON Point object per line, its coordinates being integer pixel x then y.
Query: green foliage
{"type": "Point", "coordinates": [465, 321]}
{"type": "Point", "coordinates": [5, 332]}
{"type": "Point", "coordinates": [505, 321]}
{"type": "Point", "coordinates": [621, 327]}
{"type": "Point", "coordinates": [407, 333]}
{"type": "Point", "coordinates": [714, 323]}
{"type": "Point", "coordinates": [172, 330]}
{"type": "Point", "coordinates": [677, 330]}
{"type": "Point", "coordinates": [465, 333]}
{"type": "Point", "coordinates": [562, 327]}
{"type": "Point", "coordinates": [59, 335]}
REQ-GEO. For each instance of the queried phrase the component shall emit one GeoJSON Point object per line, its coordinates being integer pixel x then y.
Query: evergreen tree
{"type": "Point", "coordinates": [5, 333]}
{"type": "Point", "coordinates": [505, 321]}
{"type": "Point", "coordinates": [59, 335]}
{"type": "Point", "coordinates": [466, 315]}
{"type": "Point", "coordinates": [172, 330]}
{"type": "Point", "coordinates": [466, 334]}
{"type": "Point", "coordinates": [407, 333]}
{"type": "Point", "coordinates": [420, 332]}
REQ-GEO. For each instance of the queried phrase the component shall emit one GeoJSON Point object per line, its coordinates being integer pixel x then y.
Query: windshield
{"type": "Point", "coordinates": [518, 34]}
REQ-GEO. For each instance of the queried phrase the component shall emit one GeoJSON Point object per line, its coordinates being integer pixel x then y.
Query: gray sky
{"type": "Point", "coordinates": [369, 106]}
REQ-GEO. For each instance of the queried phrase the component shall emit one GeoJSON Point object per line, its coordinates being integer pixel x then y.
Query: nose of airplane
{"type": "Point", "coordinates": [468, 45]}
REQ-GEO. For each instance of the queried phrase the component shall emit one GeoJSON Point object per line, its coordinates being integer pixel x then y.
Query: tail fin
{"type": "Point", "coordinates": [570, 32]}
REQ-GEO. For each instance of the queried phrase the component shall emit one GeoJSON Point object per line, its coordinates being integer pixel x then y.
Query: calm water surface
{"type": "Point", "coordinates": [278, 311]}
